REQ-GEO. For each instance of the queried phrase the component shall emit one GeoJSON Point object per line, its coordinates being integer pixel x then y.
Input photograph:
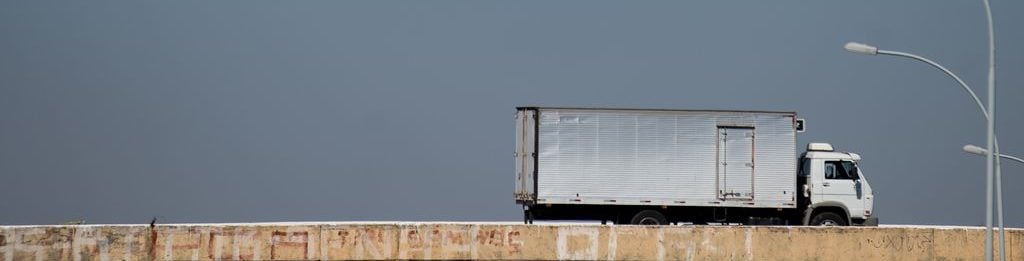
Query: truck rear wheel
{"type": "Point", "coordinates": [649, 217]}
{"type": "Point", "coordinates": [828, 219]}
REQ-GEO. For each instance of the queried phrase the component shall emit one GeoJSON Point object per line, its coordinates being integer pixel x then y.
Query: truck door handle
{"type": "Point", "coordinates": [826, 184]}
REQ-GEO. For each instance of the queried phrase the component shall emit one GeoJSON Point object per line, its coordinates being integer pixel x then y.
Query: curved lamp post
{"type": "Point", "coordinates": [872, 50]}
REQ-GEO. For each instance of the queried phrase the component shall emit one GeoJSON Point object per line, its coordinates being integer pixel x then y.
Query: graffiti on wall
{"type": "Point", "coordinates": [450, 241]}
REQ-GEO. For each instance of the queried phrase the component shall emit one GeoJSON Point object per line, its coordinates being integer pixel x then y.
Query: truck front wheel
{"type": "Point", "coordinates": [649, 217]}
{"type": "Point", "coordinates": [828, 219]}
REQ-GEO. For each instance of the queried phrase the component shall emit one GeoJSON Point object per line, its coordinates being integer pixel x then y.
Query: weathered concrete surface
{"type": "Point", "coordinates": [491, 241]}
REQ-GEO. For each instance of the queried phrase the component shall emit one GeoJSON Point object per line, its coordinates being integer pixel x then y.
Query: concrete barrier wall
{"type": "Point", "coordinates": [443, 241]}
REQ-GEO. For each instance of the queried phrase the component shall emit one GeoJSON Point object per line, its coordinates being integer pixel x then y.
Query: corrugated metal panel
{"type": "Point", "coordinates": [655, 157]}
{"type": "Point", "coordinates": [775, 159]}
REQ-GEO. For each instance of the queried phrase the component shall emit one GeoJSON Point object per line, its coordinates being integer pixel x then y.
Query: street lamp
{"type": "Point", "coordinates": [871, 50]}
{"type": "Point", "coordinates": [970, 148]}
{"type": "Point", "coordinates": [861, 48]}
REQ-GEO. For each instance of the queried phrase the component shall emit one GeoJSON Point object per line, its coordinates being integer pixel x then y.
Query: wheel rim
{"type": "Point", "coordinates": [829, 223]}
{"type": "Point", "coordinates": [649, 221]}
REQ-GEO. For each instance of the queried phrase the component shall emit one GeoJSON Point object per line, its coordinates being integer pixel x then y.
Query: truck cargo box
{"type": "Point", "coordinates": [655, 157]}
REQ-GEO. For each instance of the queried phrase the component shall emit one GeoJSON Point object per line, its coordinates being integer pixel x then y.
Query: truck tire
{"type": "Point", "coordinates": [828, 219]}
{"type": "Point", "coordinates": [649, 217]}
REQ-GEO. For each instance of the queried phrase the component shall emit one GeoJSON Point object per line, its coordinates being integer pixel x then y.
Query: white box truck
{"type": "Point", "coordinates": [655, 167]}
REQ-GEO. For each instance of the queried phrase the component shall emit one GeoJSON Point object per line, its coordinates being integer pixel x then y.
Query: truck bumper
{"type": "Point", "coordinates": [867, 222]}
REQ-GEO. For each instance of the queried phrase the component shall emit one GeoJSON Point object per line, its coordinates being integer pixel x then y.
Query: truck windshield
{"type": "Point", "coordinates": [849, 168]}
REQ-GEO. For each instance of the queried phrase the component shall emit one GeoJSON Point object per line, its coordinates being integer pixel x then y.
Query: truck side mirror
{"type": "Point", "coordinates": [855, 173]}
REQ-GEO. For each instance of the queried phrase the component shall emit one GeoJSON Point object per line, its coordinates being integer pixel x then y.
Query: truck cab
{"type": "Point", "coordinates": [835, 191]}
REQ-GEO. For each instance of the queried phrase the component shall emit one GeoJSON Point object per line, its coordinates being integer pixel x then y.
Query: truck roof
{"type": "Point", "coordinates": [832, 155]}
{"type": "Point", "coordinates": [656, 109]}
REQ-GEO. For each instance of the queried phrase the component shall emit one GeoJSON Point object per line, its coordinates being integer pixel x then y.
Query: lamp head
{"type": "Point", "coordinates": [970, 148]}
{"type": "Point", "coordinates": [861, 48]}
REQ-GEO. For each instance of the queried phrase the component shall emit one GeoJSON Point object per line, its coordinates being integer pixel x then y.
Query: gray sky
{"type": "Point", "coordinates": [231, 111]}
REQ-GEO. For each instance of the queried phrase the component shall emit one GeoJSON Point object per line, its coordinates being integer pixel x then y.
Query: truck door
{"type": "Point", "coordinates": [840, 185]}
{"type": "Point", "coordinates": [735, 163]}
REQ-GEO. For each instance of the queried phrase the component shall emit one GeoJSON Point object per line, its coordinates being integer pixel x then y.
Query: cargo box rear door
{"type": "Point", "coordinates": [525, 154]}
